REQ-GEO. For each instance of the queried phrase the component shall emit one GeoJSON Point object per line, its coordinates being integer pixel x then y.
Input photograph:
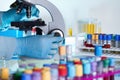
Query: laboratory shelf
{"type": "Point", "coordinates": [89, 51]}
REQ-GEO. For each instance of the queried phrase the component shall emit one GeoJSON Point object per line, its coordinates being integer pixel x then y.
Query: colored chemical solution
{"type": "Point", "coordinates": [62, 72]}
{"type": "Point", "coordinates": [111, 67]}
{"type": "Point", "coordinates": [36, 76]}
{"type": "Point", "coordinates": [79, 71]}
{"type": "Point", "coordinates": [86, 69]}
{"type": "Point", "coordinates": [4, 75]}
{"type": "Point", "coordinates": [71, 71]}
{"type": "Point", "coordinates": [46, 74]}
{"type": "Point", "coordinates": [17, 76]}
{"type": "Point", "coordinates": [62, 53]}
{"type": "Point", "coordinates": [54, 72]}
{"type": "Point", "coordinates": [105, 68]}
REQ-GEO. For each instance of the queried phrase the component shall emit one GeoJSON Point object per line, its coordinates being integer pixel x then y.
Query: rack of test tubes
{"type": "Point", "coordinates": [68, 68]}
{"type": "Point", "coordinates": [109, 42]}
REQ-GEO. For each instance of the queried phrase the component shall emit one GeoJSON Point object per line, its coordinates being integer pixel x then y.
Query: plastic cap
{"type": "Point", "coordinates": [62, 50]}
{"type": "Point", "coordinates": [104, 37]}
{"type": "Point", "coordinates": [62, 70]}
{"type": "Point", "coordinates": [28, 71]}
{"type": "Point", "coordinates": [103, 58]}
{"type": "Point", "coordinates": [109, 37]}
{"type": "Point", "coordinates": [62, 61]}
{"type": "Point", "coordinates": [100, 37]}
{"type": "Point", "coordinates": [71, 70]}
{"type": "Point", "coordinates": [36, 70]}
{"type": "Point", "coordinates": [98, 50]}
{"type": "Point", "coordinates": [117, 37]}
{"type": "Point", "coordinates": [86, 68]}
{"type": "Point", "coordinates": [26, 76]}
{"type": "Point", "coordinates": [31, 64]}
{"type": "Point", "coordinates": [46, 65]}
{"type": "Point", "coordinates": [79, 70]}
{"type": "Point", "coordinates": [89, 36]}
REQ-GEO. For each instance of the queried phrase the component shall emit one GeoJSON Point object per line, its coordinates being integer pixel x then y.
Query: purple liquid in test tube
{"type": "Point", "coordinates": [36, 76]}
{"type": "Point", "coordinates": [94, 69]}
{"type": "Point", "coordinates": [54, 72]}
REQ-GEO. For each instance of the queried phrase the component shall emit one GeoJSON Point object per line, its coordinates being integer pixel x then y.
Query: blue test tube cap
{"type": "Point", "coordinates": [98, 50]}
{"type": "Point", "coordinates": [86, 68]}
{"type": "Point", "coordinates": [100, 36]}
{"type": "Point", "coordinates": [104, 37]}
{"type": "Point", "coordinates": [26, 76]}
{"type": "Point", "coordinates": [71, 70]}
{"type": "Point", "coordinates": [89, 36]}
{"type": "Point", "coordinates": [109, 37]}
{"type": "Point", "coordinates": [117, 38]}
{"type": "Point", "coordinates": [46, 65]}
{"type": "Point", "coordinates": [62, 62]}
{"type": "Point", "coordinates": [111, 62]}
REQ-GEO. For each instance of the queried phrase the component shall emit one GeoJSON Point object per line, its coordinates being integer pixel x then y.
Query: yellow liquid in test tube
{"type": "Point", "coordinates": [70, 31]}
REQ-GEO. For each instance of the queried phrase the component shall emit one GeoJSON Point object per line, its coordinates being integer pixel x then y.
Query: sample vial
{"type": "Point", "coordinates": [71, 71]}
{"type": "Point", "coordinates": [62, 69]}
{"type": "Point", "coordinates": [100, 37]}
{"type": "Point", "coordinates": [116, 41]}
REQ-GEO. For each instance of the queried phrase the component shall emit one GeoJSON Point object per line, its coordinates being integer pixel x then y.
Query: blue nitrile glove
{"type": "Point", "coordinates": [7, 17]}
{"type": "Point", "coordinates": [37, 46]}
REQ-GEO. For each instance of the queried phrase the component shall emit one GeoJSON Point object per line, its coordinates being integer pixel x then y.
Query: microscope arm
{"type": "Point", "coordinates": [57, 18]}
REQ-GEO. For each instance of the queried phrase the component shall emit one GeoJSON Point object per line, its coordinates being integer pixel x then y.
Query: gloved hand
{"type": "Point", "coordinates": [37, 46]}
{"type": "Point", "coordinates": [7, 17]}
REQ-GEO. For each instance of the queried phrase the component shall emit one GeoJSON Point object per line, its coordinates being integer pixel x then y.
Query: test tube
{"type": "Point", "coordinates": [105, 68]}
{"type": "Point", "coordinates": [54, 72]}
{"type": "Point", "coordinates": [46, 74]}
{"type": "Point", "coordinates": [109, 43]}
{"type": "Point", "coordinates": [26, 75]}
{"type": "Point", "coordinates": [99, 67]}
{"type": "Point", "coordinates": [86, 69]}
{"type": "Point", "coordinates": [79, 71]}
{"type": "Point", "coordinates": [93, 39]}
{"type": "Point", "coordinates": [111, 67]}
{"type": "Point", "coordinates": [36, 76]}
{"type": "Point", "coordinates": [62, 72]}
{"type": "Point", "coordinates": [69, 52]}
{"type": "Point", "coordinates": [116, 41]}
{"type": "Point", "coordinates": [71, 71]}
{"type": "Point", "coordinates": [94, 68]}
{"type": "Point", "coordinates": [104, 40]}
{"type": "Point", "coordinates": [89, 40]}
{"type": "Point", "coordinates": [96, 39]}
{"type": "Point", "coordinates": [100, 37]}
{"type": "Point", "coordinates": [62, 52]}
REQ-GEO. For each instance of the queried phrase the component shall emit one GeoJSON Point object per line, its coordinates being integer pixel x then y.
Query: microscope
{"type": "Point", "coordinates": [56, 27]}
